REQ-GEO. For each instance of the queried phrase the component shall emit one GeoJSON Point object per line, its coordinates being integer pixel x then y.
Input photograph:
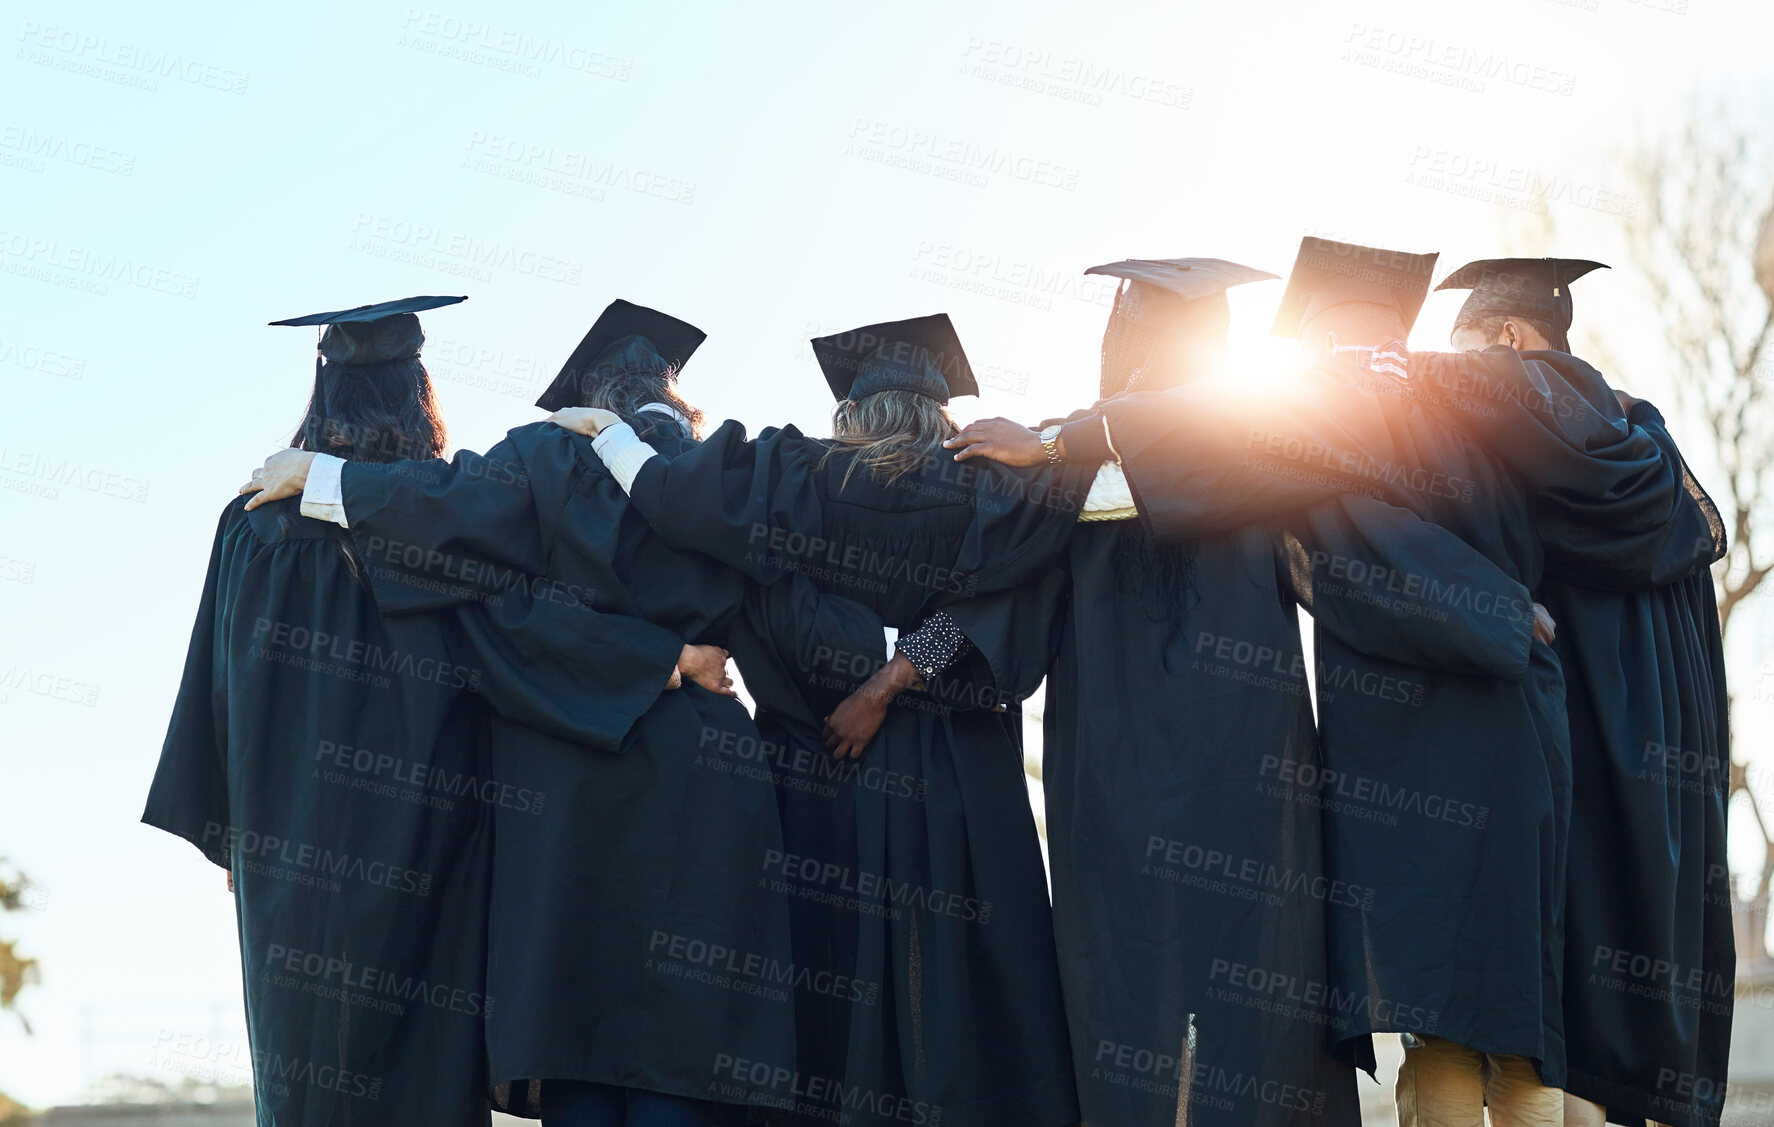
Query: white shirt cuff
{"type": "Point", "coordinates": [623, 453]}
{"type": "Point", "coordinates": [1109, 491]}
{"type": "Point", "coordinates": [323, 498]}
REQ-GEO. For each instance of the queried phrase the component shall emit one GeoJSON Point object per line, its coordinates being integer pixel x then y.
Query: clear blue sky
{"type": "Point", "coordinates": [175, 176]}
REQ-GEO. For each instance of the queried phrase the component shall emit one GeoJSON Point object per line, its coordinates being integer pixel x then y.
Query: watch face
{"type": "Point", "coordinates": [1050, 433]}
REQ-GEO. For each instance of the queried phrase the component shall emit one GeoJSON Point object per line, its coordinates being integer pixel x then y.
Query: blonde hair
{"type": "Point", "coordinates": [889, 432]}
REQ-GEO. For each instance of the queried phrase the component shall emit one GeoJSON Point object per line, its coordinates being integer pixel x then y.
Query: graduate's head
{"type": "Point", "coordinates": [378, 412]}
{"type": "Point", "coordinates": [1341, 295]}
{"type": "Point", "coordinates": [893, 382]}
{"type": "Point", "coordinates": [630, 357]}
{"type": "Point", "coordinates": [1523, 334]}
{"type": "Point", "coordinates": [372, 399]}
{"type": "Point", "coordinates": [1168, 326]}
{"type": "Point", "coordinates": [1519, 303]}
{"type": "Point", "coordinates": [1352, 324]}
{"type": "Point", "coordinates": [628, 376]}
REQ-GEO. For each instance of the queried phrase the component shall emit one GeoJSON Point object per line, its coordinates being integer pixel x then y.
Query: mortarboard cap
{"type": "Point", "coordinates": [1527, 287]}
{"type": "Point", "coordinates": [921, 354]}
{"type": "Point", "coordinates": [1328, 273]}
{"type": "Point", "coordinates": [625, 337]}
{"type": "Point", "coordinates": [1191, 278]}
{"type": "Point", "coordinates": [372, 334]}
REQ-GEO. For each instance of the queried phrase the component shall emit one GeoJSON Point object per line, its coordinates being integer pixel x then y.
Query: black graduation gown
{"type": "Point", "coordinates": [1182, 777]}
{"type": "Point", "coordinates": [1454, 811]}
{"type": "Point", "coordinates": [634, 940]}
{"type": "Point", "coordinates": [919, 877]}
{"type": "Point", "coordinates": [331, 761]}
{"type": "Point", "coordinates": [1650, 961]}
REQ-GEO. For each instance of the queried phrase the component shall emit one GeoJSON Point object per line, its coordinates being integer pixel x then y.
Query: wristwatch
{"type": "Point", "coordinates": [1050, 445]}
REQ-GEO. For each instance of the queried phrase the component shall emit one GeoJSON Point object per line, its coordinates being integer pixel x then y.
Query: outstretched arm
{"type": "Point", "coordinates": [1391, 585]}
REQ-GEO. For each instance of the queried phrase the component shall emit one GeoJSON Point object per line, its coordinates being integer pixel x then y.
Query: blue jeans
{"type": "Point", "coordinates": [575, 1103]}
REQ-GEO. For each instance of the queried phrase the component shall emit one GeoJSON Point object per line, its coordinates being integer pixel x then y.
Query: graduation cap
{"type": "Point", "coordinates": [373, 334]}
{"type": "Point", "coordinates": [625, 338]}
{"type": "Point", "coordinates": [921, 354]}
{"type": "Point", "coordinates": [1526, 287]}
{"type": "Point", "coordinates": [1170, 312]}
{"type": "Point", "coordinates": [1329, 273]}
{"type": "Point", "coordinates": [1191, 278]}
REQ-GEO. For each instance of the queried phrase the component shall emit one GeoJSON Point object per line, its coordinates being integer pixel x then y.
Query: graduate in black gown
{"type": "Point", "coordinates": [1650, 960]}
{"type": "Point", "coordinates": [1181, 765]}
{"type": "Point", "coordinates": [1455, 813]}
{"type": "Point", "coordinates": [920, 875]}
{"type": "Point", "coordinates": [361, 905]}
{"type": "Point", "coordinates": [638, 961]}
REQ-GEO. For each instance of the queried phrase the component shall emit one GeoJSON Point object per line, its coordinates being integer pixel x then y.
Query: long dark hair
{"type": "Point", "coordinates": [371, 413]}
{"type": "Point", "coordinates": [1156, 340]}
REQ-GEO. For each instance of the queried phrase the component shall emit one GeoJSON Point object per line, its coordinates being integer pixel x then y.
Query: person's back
{"type": "Point", "coordinates": [319, 752]}
{"type": "Point", "coordinates": [1630, 535]}
{"type": "Point", "coordinates": [918, 876]}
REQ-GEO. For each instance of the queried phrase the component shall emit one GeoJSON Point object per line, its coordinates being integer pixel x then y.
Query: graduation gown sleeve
{"type": "Point", "coordinates": [1389, 584]}
{"type": "Point", "coordinates": [733, 498]}
{"type": "Point", "coordinates": [190, 790]}
{"type": "Point", "coordinates": [1615, 505]}
{"type": "Point", "coordinates": [465, 536]}
{"type": "Point", "coordinates": [802, 652]}
{"type": "Point", "coordinates": [1207, 458]}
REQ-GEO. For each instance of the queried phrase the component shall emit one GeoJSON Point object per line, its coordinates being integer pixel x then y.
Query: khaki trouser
{"type": "Point", "coordinates": [1579, 1112]}
{"type": "Point", "coordinates": [1442, 1084]}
